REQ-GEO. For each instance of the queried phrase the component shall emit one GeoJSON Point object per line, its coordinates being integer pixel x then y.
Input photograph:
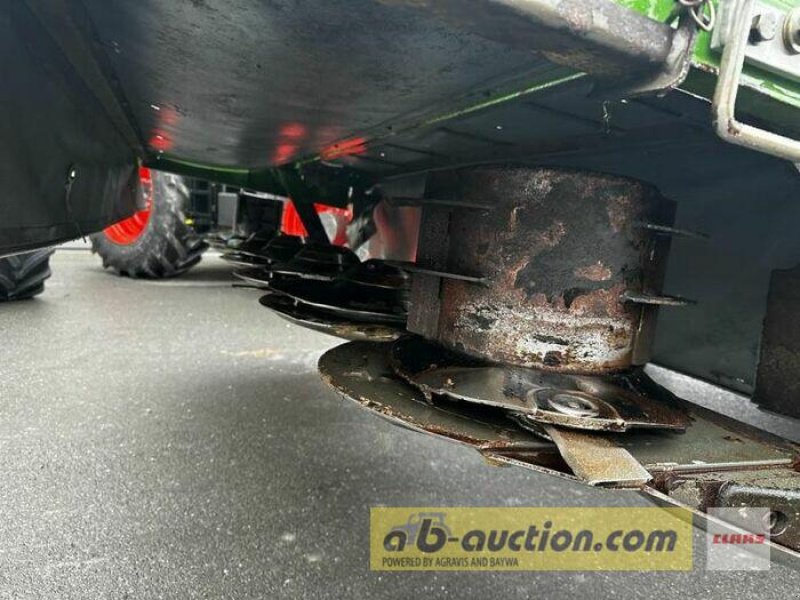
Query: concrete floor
{"type": "Point", "coordinates": [173, 440]}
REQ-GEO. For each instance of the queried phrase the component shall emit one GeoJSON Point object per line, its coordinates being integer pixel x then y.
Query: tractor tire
{"type": "Point", "coordinates": [22, 276]}
{"type": "Point", "coordinates": [156, 242]}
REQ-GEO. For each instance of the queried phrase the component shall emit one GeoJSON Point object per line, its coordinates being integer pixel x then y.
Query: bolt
{"type": "Point", "coordinates": [764, 27]}
{"type": "Point", "coordinates": [776, 523]}
{"type": "Point", "coordinates": [791, 31]}
{"type": "Point", "coordinates": [573, 405]}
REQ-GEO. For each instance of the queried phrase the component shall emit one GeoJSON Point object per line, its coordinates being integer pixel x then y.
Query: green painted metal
{"type": "Point", "coordinates": [706, 61]}
{"type": "Point", "coordinates": [267, 180]}
{"type": "Point", "coordinates": [658, 10]}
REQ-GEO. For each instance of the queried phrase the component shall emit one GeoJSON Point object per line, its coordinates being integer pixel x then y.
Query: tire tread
{"type": "Point", "coordinates": [168, 247]}
{"type": "Point", "coordinates": [23, 275]}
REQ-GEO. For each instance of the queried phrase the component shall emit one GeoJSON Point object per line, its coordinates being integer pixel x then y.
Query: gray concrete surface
{"type": "Point", "coordinates": [173, 440]}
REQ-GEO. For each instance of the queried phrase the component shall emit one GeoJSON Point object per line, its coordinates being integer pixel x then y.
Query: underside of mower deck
{"type": "Point", "coordinates": [564, 191]}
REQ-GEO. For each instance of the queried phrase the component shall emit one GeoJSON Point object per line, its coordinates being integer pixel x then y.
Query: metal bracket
{"type": "Point", "coordinates": [671, 74]}
{"type": "Point", "coordinates": [738, 14]}
{"type": "Point", "coordinates": [422, 269]}
{"type": "Point", "coordinates": [769, 38]}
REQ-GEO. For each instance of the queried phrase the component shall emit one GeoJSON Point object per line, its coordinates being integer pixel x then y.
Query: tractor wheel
{"type": "Point", "coordinates": [155, 242]}
{"type": "Point", "coordinates": [22, 276]}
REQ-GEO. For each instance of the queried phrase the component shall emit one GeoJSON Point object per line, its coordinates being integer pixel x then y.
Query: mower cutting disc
{"type": "Point", "coordinates": [581, 402]}
{"type": "Point", "coordinates": [307, 316]}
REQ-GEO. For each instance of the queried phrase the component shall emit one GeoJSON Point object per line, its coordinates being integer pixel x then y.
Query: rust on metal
{"type": "Point", "coordinates": [559, 250]}
{"type": "Point", "coordinates": [619, 404]}
{"type": "Point", "coordinates": [598, 460]}
{"type": "Point", "coordinates": [596, 271]}
{"type": "Point", "coordinates": [432, 253]}
{"type": "Point", "coordinates": [716, 462]}
{"type": "Point", "coordinates": [775, 488]}
{"type": "Point", "coordinates": [360, 371]}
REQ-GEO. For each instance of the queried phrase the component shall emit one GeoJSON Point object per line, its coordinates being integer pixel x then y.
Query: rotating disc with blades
{"type": "Point", "coordinates": [339, 298]}
{"type": "Point", "coordinates": [311, 318]}
{"type": "Point", "coordinates": [583, 402]}
{"type": "Point", "coordinates": [322, 262]}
